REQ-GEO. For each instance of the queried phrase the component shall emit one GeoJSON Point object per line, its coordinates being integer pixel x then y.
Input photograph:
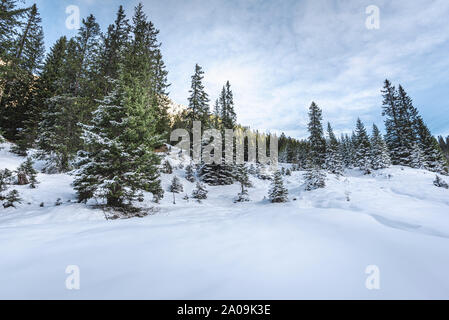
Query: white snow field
{"type": "Point", "coordinates": [317, 247]}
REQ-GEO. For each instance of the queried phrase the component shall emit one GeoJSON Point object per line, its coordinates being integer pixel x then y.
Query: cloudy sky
{"type": "Point", "coordinates": [280, 55]}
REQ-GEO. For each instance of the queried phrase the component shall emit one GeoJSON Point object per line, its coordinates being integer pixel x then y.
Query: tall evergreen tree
{"type": "Point", "coordinates": [10, 21]}
{"type": "Point", "coordinates": [393, 136]}
{"type": "Point", "coordinates": [23, 64]}
{"type": "Point", "coordinates": [380, 158]}
{"type": "Point", "coordinates": [47, 85]}
{"type": "Point", "coordinates": [363, 148]}
{"type": "Point", "coordinates": [347, 151]}
{"type": "Point", "coordinates": [317, 152]}
{"type": "Point", "coordinates": [112, 51]}
{"type": "Point", "coordinates": [122, 162]}
{"type": "Point", "coordinates": [226, 101]}
{"type": "Point", "coordinates": [334, 162]}
{"type": "Point", "coordinates": [198, 109]}
{"type": "Point", "coordinates": [73, 102]}
{"type": "Point", "coordinates": [433, 157]}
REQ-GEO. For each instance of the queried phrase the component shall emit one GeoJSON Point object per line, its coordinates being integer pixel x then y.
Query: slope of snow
{"type": "Point", "coordinates": [317, 246]}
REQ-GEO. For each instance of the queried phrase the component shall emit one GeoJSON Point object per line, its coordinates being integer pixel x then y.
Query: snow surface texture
{"type": "Point", "coordinates": [315, 247]}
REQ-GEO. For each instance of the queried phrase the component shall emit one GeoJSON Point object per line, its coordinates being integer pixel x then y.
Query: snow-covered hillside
{"type": "Point", "coordinates": [318, 245]}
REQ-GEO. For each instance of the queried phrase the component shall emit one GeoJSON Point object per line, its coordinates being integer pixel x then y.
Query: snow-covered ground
{"type": "Point", "coordinates": [317, 246]}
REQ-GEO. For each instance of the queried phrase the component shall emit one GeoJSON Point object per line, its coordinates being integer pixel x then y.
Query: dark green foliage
{"type": "Point", "coordinates": [22, 56]}
{"type": "Point", "coordinates": [74, 99]}
{"type": "Point", "coordinates": [10, 21]}
{"type": "Point", "coordinates": [111, 53]}
{"type": "Point", "coordinates": [121, 162]}
{"type": "Point", "coordinates": [278, 193]}
{"type": "Point", "coordinates": [48, 84]}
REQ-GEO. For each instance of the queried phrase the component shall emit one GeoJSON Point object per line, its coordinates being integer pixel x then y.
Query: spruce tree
{"type": "Point", "coordinates": [434, 159]}
{"type": "Point", "coordinates": [122, 162]}
{"type": "Point", "coordinates": [198, 109]}
{"type": "Point", "coordinates": [393, 137]}
{"type": "Point", "coordinates": [47, 85]}
{"type": "Point", "coordinates": [363, 148]}
{"type": "Point", "coordinates": [407, 121]}
{"type": "Point", "coordinates": [6, 179]}
{"type": "Point", "coordinates": [317, 143]}
{"type": "Point", "coordinates": [346, 151]}
{"type": "Point", "coordinates": [10, 21]}
{"type": "Point", "coordinates": [242, 177]}
{"type": "Point", "coordinates": [277, 193]}
{"type": "Point", "coordinates": [314, 177]}
{"type": "Point", "coordinates": [19, 74]}
{"type": "Point", "coordinates": [73, 102]}
{"type": "Point", "coordinates": [380, 158]}
{"type": "Point", "coordinates": [113, 46]}
{"type": "Point", "coordinates": [226, 101]}
{"type": "Point", "coordinates": [27, 174]}
{"type": "Point", "coordinates": [334, 162]}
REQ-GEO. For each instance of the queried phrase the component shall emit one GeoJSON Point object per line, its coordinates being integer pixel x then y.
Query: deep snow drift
{"type": "Point", "coordinates": [318, 246]}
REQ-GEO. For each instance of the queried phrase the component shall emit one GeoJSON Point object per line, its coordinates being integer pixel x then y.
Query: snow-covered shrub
{"type": "Point", "coordinates": [190, 175]}
{"type": "Point", "coordinates": [11, 198]}
{"type": "Point", "coordinates": [438, 182]}
{"type": "Point", "coordinates": [242, 197]}
{"type": "Point", "coordinates": [5, 179]}
{"type": "Point", "coordinates": [200, 192]}
{"type": "Point", "coordinates": [262, 172]}
{"type": "Point", "coordinates": [26, 174]}
{"type": "Point", "coordinates": [315, 178]}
